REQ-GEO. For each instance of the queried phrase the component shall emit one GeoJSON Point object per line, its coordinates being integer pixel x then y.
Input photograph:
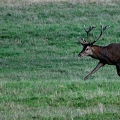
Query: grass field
{"type": "Point", "coordinates": [41, 76]}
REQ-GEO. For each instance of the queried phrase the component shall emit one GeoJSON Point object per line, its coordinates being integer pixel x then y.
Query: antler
{"type": "Point", "coordinates": [82, 40]}
{"type": "Point", "coordinates": [88, 31]}
{"type": "Point", "coordinates": [102, 30]}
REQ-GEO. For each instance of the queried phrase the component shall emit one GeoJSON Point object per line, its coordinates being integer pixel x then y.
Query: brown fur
{"type": "Point", "coordinates": [105, 54]}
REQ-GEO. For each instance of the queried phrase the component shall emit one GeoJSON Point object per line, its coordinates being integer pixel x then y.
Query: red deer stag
{"type": "Point", "coordinates": [105, 54]}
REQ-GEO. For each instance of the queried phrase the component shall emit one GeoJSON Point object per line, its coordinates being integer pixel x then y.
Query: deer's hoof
{"type": "Point", "coordinates": [86, 78]}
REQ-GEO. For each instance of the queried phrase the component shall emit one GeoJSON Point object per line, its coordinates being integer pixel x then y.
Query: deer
{"type": "Point", "coordinates": [109, 54]}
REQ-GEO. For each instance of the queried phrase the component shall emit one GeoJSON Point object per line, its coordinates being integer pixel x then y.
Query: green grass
{"type": "Point", "coordinates": [41, 76]}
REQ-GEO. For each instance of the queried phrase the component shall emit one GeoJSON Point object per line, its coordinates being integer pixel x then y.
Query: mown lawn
{"type": "Point", "coordinates": [41, 76]}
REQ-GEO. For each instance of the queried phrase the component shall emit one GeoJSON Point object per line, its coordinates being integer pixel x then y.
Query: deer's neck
{"type": "Point", "coordinates": [99, 52]}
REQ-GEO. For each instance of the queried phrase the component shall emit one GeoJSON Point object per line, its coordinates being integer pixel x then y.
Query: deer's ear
{"type": "Point", "coordinates": [83, 44]}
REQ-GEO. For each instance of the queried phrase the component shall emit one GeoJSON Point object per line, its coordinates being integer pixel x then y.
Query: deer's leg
{"type": "Point", "coordinates": [99, 65]}
{"type": "Point", "coordinates": [118, 68]}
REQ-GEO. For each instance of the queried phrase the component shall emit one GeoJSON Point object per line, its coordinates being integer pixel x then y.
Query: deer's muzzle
{"type": "Point", "coordinates": [79, 55]}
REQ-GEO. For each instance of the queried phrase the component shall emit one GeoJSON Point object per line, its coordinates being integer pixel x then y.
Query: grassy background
{"type": "Point", "coordinates": [41, 76]}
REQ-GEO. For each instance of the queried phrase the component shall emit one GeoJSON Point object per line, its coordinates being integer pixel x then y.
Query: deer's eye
{"type": "Point", "coordinates": [86, 49]}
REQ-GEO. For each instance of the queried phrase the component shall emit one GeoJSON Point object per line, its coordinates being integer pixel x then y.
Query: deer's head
{"type": "Point", "coordinates": [87, 45]}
